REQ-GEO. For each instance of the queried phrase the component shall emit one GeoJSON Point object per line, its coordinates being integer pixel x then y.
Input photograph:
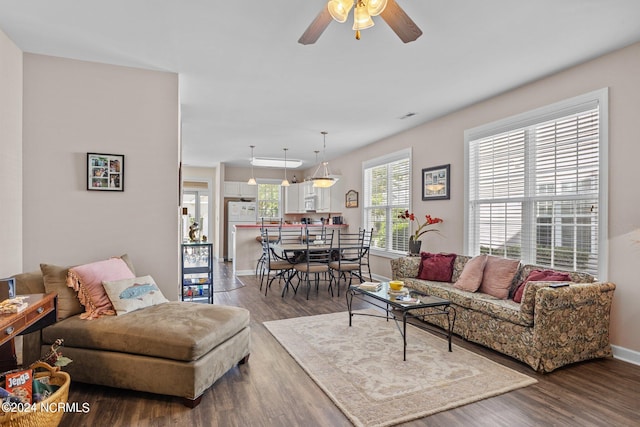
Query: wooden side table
{"type": "Point", "coordinates": [41, 312]}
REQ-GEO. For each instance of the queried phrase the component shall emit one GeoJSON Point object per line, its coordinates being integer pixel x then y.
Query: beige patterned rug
{"type": "Point", "coordinates": [361, 368]}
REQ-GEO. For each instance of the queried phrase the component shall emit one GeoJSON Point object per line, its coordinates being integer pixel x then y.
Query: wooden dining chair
{"type": "Point", "coordinates": [316, 263]}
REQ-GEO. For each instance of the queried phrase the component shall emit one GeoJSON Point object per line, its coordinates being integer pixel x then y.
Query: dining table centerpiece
{"type": "Point", "coordinates": [414, 240]}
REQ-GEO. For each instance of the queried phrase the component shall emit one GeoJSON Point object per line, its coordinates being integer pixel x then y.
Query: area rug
{"type": "Point", "coordinates": [361, 369]}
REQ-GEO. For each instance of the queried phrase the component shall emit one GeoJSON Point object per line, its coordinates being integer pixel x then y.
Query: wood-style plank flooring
{"type": "Point", "coordinates": [272, 390]}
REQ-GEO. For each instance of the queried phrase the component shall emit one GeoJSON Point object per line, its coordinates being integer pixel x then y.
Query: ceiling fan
{"type": "Point", "coordinates": [338, 10]}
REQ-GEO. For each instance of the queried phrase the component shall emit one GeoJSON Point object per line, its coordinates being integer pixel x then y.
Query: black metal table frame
{"type": "Point", "coordinates": [442, 307]}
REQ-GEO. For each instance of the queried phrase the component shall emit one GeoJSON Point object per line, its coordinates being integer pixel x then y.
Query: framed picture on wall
{"type": "Point", "coordinates": [351, 199]}
{"type": "Point", "coordinates": [105, 172]}
{"type": "Point", "coordinates": [435, 183]}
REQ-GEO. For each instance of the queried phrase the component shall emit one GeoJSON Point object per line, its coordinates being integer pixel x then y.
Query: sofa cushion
{"type": "Point", "coordinates": [129, 295]}
{"type": "Point", "coordinates": [576, 276]}
{"type": "Point", "coordinates": [498, 276]}
{"type": "Point", "coordinates": [55, 280]}
{"type": "Point", "coordinates": [87, 281]}
{"type": "Point", "coordinates": [174, 330]}
{"type": "Point", "coordinates": [539, 276]}
{"type": "Point", "coordinates": [471, 277]}
{"type": "Point", "coordinates": [458, 266]}
{"type": "Point", "coordinates": [438, 267]}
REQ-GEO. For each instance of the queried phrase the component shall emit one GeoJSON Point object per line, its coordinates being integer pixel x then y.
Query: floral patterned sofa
{"type": "Point", "coordinates": [550, 328]}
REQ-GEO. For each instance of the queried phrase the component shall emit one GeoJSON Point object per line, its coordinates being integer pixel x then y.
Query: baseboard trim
{"type": "Point", "coordinates": [245, 272]}
{"type": "Point", "coordinates": [626, 355]}
{"type": "Point", "coordinates": [379, 278]}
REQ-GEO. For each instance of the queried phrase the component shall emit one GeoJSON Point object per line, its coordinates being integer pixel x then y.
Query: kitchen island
{"type": "Point", "coordinates": [247, 249]}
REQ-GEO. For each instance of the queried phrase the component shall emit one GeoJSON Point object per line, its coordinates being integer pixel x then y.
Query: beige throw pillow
{"type": "Point", "coordinates": [471, 276]}
{"type": "Point", "coordinates": [55, 280]}
{"type": "Point", "coordinates": [498, 276]}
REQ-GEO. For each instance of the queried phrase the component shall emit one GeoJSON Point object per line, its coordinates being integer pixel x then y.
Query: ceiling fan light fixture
{"type": "Point", "coordinates": [376, 7]}
{"type": "Point", "coordinates": [361, 17]}
{"type": "Point", "coordinates": [339, 9]}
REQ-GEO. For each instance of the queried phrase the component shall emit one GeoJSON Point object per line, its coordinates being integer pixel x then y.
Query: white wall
{"type": "Point", "coordinates": [10, 157]}
{"type": "Point", "coordinates": [441, 141]}
{"type": "Point", "coordinates": [74, 107]}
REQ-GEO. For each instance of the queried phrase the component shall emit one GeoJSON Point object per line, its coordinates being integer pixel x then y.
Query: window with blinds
{"type": "Point", "coordinates": [269, 195]}
{"type": "Point", "coordinates": [387, 194]}
{"type": "Point", "coordinates": [535, 192]}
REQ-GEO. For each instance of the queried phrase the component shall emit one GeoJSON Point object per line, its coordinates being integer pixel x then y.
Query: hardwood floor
{"type": "Point", "coordinates": [272, 390]}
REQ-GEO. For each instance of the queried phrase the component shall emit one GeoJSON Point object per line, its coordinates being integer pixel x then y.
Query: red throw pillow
{"type": "Point", "coordinates": [436, 267]}
{"type": "Point", "coordinates": [540, 276]}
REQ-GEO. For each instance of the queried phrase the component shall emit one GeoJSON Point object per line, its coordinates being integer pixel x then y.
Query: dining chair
{"type": "Point", "coordinates": [366, 251]}
{"type": "Point", "coordinates": [273, 237]}
{"type": "Point", "coordinates": [273, 263]}
{"type": "Point", "coordinates": [347, 257]}
{"type": "Point", "coordinates": [316, 263]}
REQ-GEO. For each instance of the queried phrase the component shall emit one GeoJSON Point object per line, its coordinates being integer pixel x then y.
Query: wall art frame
{"type": "Point", "coordinates": [351, 199]}
{"type": "Point", "coordinates": [105, 172]}
{"type": "Point", "coordinates": [436, 183]}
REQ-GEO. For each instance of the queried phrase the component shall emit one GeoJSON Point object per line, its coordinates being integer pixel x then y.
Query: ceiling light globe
{"type": "Point", "coordinates": [339, 9]}
{"type": "Point", "coordinates": [376, 7]}
{"type": "Point", "coordinates": [324, 182]}
{"type": "Point", "coordinates": [361, 18]}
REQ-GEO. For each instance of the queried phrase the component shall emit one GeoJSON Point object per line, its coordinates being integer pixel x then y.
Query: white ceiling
{"type": "Point", "coordinates": [244, 79]}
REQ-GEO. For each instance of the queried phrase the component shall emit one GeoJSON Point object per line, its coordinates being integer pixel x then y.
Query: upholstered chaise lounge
{"type": "Point", "coordinates": [173, 348]}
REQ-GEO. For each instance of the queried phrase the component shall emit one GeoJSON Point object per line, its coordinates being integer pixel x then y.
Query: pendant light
{"type": "Point", "coordinates": [285, 183]}
{"type": "Point", "coordinates": [252, 180]}
{"type": "Point", "coordinates": [325, 180]}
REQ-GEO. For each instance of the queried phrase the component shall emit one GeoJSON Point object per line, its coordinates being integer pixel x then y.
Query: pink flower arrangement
{"type": "Point", "coordinates": [422, 228]}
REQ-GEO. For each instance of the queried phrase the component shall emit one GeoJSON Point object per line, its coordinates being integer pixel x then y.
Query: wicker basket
{"type": "Point", "coordinates": [40, 418]}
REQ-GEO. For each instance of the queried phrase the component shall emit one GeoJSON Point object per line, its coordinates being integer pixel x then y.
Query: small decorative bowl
{"type": "Point", "coordinates": [396, 285]}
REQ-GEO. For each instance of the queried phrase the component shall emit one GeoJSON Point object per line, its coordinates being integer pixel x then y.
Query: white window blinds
{"type": "Point", "coordinates": [534, 192]}
{"type": "Point", "coordinates": [387, 194]}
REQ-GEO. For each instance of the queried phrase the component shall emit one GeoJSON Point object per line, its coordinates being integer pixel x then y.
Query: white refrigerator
{"type": "Point", "coordinates": [238, 213]}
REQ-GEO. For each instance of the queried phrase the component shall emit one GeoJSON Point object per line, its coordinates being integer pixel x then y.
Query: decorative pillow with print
{"type": "Point", "coordinates": [128, 295]}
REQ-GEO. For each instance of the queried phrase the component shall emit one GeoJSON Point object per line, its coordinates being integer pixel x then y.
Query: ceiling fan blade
{"type": "Point", "coordinates": [316, 28]}
{"type": "Point", "coordinates": [400, 22]}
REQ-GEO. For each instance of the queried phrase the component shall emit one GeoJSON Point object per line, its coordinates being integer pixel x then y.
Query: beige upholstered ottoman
{"type": "Point", "coordinates": [175, 348]}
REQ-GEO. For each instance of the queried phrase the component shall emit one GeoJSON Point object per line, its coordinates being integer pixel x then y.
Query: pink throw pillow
{"type": "Point", "coordinates": [498, 276]}
{"type": "Point", "coordinates": [471, 276]}
{"type": "Point", "coordinates": [87, 281]}
{"type": "Point", "coordinates": [436, 267]}
{"type": "Point", "coordinates": [540, 276]}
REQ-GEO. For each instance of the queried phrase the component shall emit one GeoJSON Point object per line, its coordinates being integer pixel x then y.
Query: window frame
{"type": "Point", "coordinates": [280, 197]}
{"type": "Point", "coordinates": [598, 98]}
{"type": "Point", "coordinates": [366, 204]}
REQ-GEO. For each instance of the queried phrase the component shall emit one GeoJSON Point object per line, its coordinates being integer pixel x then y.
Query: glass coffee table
{"type": "Point", "coordinates": [397, 309]}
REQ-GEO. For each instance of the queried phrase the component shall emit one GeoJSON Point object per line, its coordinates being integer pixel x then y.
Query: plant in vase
{"type": "Point", "coordinates": [414, 242]}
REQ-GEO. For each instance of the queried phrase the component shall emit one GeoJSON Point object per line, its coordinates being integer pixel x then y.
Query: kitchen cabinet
{"type": "Point", "coordinates": [240, 189]}
{"type": "Point", "coordinates": [304, 197]}
{"type": "Point", "coordinates": [292, 199]}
